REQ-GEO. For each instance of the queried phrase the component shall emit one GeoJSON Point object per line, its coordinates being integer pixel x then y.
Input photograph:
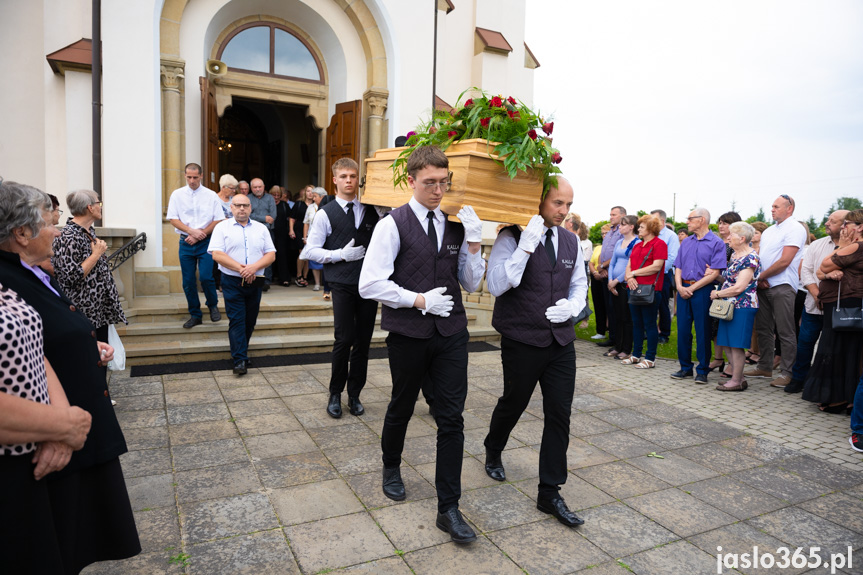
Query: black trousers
{"type": "Point", "coordinates": [609, 310]}
{"type": "Point", "coordinates": [354, 320]}
{"type": "Point", "coordinates": [554, 368]}
{"type": "Point", "coordinates": [597, 288]}
{"type": "Point", "coordinates": [664, 309]}
{"type": "Point", "coordinates": [622, 319]}
{"type": "Point", "coordinates": [441, 364]}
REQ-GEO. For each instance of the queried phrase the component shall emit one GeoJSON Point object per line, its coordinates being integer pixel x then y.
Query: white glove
{"type": "Point", "coordinates": [382, 211]}
{"type": "Point", "coordinates": [437, 303]}
{"type": "Point", "coordinates": [351, 254]}
{"type": "Point", "coordinates": [532, 234]}
{"type": "Point", "coordinates": [560, 312]}
{"type": "Point", "coordinates": [472, 224]}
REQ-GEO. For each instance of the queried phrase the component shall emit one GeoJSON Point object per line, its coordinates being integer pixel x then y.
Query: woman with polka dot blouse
{"type": "Point", "coordinates": [63, 499]}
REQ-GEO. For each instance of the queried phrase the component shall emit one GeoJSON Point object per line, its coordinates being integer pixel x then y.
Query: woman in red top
{"type": "Point", "coordinates": [645, 267]}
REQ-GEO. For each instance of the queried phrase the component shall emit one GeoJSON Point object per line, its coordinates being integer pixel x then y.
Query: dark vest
{"type": "Point", "coordinates": [343, 232]}
{"type": "Point", "coordinates": [418, 268]}
{"type": "Point", "coordinates": [519, 313]}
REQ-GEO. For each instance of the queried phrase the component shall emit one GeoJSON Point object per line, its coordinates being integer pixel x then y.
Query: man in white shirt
{"type": "Point", "coordinates": [673, 243]}
{"type": "Point", "coordinates": [812, 320]}
{"type": "Point", "coordinates": [243, 248]}
{"type": "Point", "coordinates": [540, 284]}
{"type": "Point", "coordinates": [338, 237]}
{"type": "Point", "coordinates": [416, 266]}
{"type": "Point", "coordinates": [780, 254]}
{"type": "Point", "coordinates": [194, 211]}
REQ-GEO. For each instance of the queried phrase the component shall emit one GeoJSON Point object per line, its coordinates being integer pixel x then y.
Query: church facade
{"type": "Point", "coordinates": [275, 89]}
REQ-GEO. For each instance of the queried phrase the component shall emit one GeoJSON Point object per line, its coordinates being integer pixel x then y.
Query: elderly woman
{"type": "Point", "coordinates": [90, 507]}
{"type": "Point", "coordinates": [832, 380]}
{"type": "Point", "coordinates": [38, 432]}
{"type": "Point", "coordinates": [317, 194]}
{"type": "Point", "coordinates": [741, 279]}
{"type": "Point", "coordinates": [646, 266]}
{"type": "Point", "coordinates": [80, 265]}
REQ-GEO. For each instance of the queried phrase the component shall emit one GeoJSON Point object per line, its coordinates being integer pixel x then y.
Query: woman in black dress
{"type": "Point", "coordinates": [297, 243]}
{"type": "Point", "coordinates": [89, 505]}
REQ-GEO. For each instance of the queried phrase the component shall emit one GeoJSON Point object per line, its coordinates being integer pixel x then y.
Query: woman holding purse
{"type": "Point", "coordinates": [741, 280]}
{"type": "Point", "coordinates": [645, 268]}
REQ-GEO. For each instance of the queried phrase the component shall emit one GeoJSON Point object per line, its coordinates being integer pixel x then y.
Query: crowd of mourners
{"type": "Point", "coordinates": [759, 298]}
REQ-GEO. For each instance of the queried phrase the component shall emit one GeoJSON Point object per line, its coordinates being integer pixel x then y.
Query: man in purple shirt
{"type": "Point", "coordinates": [617, 212]}
{"type": "Point", "coordinates": [699, 262]}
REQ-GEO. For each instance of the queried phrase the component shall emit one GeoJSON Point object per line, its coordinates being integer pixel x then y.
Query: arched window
{"type": "Point", "coordinates": [270, 49]}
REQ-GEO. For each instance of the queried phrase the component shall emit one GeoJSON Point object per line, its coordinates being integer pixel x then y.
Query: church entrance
{"type": "Point", "coordinates": [272, 141]}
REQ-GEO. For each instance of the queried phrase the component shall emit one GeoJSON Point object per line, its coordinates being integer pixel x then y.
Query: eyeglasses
{"type": "Point", "coordinates": [690, 218]}
{"type": "Point", "coordinates": [232, 188]}
{"type": "Point", "coordinates": [94, 204]}
{"type": "Point", "coordinates": [244, 206]}
{"type": "Point", "coordinates": [430, 186]}
{"type": "Point", "coordinates": [59, 212]}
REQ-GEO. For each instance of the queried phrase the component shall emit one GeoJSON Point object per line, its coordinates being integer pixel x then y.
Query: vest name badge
{"type": "Point", "coordinates": [453, 248]}
{"type": "Point", "coordinates": [568, 264]}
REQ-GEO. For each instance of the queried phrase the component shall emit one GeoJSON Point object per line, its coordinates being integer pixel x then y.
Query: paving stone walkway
{"type": "Point", "coordinates": [249, 475]}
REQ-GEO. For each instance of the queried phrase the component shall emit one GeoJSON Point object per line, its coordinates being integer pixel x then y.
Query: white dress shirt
{"type": "Point", "coordinates": [384, 248]}
{"type": "Point", "coordinates": [243, 244]}
{"type": "Point", "coordinates": [773, 241]}
{"type": "Point", "coordinates": [507, 263]}
{"type": "Point", "coordinates": [817, 253]}
{"type": "Point", "coordinates": [195, 208]}
{"type": "Point", "coordinates": [673, 242]}
{"type": "Point", "coordinates": [321, 229]}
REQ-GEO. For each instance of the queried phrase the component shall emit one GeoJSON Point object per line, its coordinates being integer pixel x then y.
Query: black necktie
{"type": "Point", "coordinates": [432, 231]}
{"type": "Point", "coordinates": [350, 213]}
{"type": "Point", "coordinates": [549, 248]}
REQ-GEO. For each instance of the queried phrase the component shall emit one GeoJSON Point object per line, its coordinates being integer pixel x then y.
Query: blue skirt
{"type": "Point", "coordinates": [737, 332]}
{"type": "Point", "coordinates": [315, 265]}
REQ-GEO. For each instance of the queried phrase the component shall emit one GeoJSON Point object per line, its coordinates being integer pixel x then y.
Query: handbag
{"type": "Point", "coordinates": [119, 361]}
{"type": "Point", "coordinates": [722, 309]}
{"type": "Point", "coordinates": [644, 294]}
{"type": "Point", "coordinates": [848, 318]}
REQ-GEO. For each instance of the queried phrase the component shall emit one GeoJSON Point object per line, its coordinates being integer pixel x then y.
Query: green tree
{"type": "Point", "coordinates": [843, 203]}
{"type": "Point", "coordinates": [640, 213]}
{"type": "Point", "coordinates": [595, 235]}
{"type": "Point", "coordinates": [813, 226]}
{"type": "Point", "coordinates": [759, 217]}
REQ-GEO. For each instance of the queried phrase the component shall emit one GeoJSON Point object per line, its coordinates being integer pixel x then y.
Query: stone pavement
{"type": "Point", "coordinates": [249, 475]}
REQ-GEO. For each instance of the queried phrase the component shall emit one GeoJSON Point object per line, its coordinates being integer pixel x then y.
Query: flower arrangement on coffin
{"type": "Point", "coordinates": [519, 137]}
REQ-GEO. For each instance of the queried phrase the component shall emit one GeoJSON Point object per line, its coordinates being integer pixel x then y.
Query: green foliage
{"type": "Point", "coordinates": [521, 137]}
{"type": "Point", "coordinates": [843, 203]}
{"type": "Point", "coordinates": [759, 217]}
{"type": "Point", "coordinates": [640, 213]}
{"type": "Point", "coordinates": [595, 235]}
{"type": "Point", "coordinates": [180, 559]}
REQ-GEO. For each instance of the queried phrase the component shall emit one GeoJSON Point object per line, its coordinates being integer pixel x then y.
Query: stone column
{"type": "Point", "coordinates": [172, 127]}
{"type": "Point", "coordinates": [377, 101]}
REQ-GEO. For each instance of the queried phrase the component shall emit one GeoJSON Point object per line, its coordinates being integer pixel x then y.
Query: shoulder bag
{"type": "Point", "coordinates": [848, 318]}
{"type": "Point", "coordinates": [644, 294]}
{"type": "Point", "coordinates": [722, 309]}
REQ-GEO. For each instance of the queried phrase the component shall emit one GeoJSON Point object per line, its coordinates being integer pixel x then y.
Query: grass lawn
{"type": "Point", "coordinates": [666, 350]}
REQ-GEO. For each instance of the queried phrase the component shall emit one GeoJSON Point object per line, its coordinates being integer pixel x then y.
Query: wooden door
{"type": "Point", "coordinates": [209, 135]}
{"type": "Point", "coordinates": [343, 138]}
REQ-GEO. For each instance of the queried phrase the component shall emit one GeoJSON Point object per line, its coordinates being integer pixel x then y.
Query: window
{"type": "Point", "coordinates": [270, 49]}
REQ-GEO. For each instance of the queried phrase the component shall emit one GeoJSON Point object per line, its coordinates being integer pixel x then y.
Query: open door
{"type": "Point", "coordinates": [209, 135]}
{"type": "Point", "coordinates": [343, 138]}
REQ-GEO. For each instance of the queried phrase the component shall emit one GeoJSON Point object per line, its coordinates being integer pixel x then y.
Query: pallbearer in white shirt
{"type": "Point", "coordinates": [414, 265]}
{"type": "Point", "coordinates": [539, 281]}
{"type": "Point", "coordinates": [243, 249]}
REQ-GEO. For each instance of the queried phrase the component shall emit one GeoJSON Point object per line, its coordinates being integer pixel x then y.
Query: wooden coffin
{"type": "Point", "coordinates": [478, 180]}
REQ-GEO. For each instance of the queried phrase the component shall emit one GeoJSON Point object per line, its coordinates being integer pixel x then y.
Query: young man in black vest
{"type": "Point", "coordinates": [539, 281]}
{"type": "Point", "coordinates": [337, 239]}
{"type": "Point", "coordinates": [416, 261]}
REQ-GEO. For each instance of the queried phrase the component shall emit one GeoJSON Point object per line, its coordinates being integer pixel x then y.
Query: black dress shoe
{"type": "Point", "coordinates": [557, 506]}
{"type": "Point", "coordinates": [354, 406]}
{"type": "Point", "coordinates": [192, 322]}
{"type": "Point", "coordinates": [240, 368]}
{"type": "Point", "coordinates": [394, 487]}
{"type": "Point", "coordinates": [214, 314]}
{"type": "Point", "coordinates": [334, 407]}
{"type": "Point", "coordinates": [453, 523]}
{"type": "Point", "coordinates": [266, 287]}
{"type": "Point", "coordinates": [494, 466]}
{"type": "Point", "coordinates": [793, 387]}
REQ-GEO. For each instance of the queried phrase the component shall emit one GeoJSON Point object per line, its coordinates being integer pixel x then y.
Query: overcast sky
{"type": "Point", "coordinates": [718, 102]}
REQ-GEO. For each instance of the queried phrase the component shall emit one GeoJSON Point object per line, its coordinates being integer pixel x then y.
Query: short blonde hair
{"type": "Point", "coordinates": [227, 181]}
{"type": "Point", "coordinates": [742, 229]}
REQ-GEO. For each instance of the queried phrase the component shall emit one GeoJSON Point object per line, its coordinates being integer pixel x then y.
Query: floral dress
{"type": "Point", "coordinates": [749, 297]}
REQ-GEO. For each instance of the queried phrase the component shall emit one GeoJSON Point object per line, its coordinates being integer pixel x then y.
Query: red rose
{"type": "Point", "coordinates": [548, 128]}
{"type": "Point", "coordinates": [451, 134]}
{"type": "Point", "coordinates": [532, 134]}
{"type": "Point", "coordinates": [556, 158]}
{"type": "Point", "coordinates": [511, 100]}
{"type": "Point", "coordinates": [468, 103]}
{"type": "Point", "coordinates": [484, 123]}
{"type": "Point", "coordinates": [496, 102]}
{"type": "Point", "coordinates": [514, 114]}
{"type": "Point", "coordinates": [432, 130]}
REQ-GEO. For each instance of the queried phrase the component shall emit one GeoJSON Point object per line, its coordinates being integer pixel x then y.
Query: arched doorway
{"type": "Point", "coordinates": [272, 141]}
